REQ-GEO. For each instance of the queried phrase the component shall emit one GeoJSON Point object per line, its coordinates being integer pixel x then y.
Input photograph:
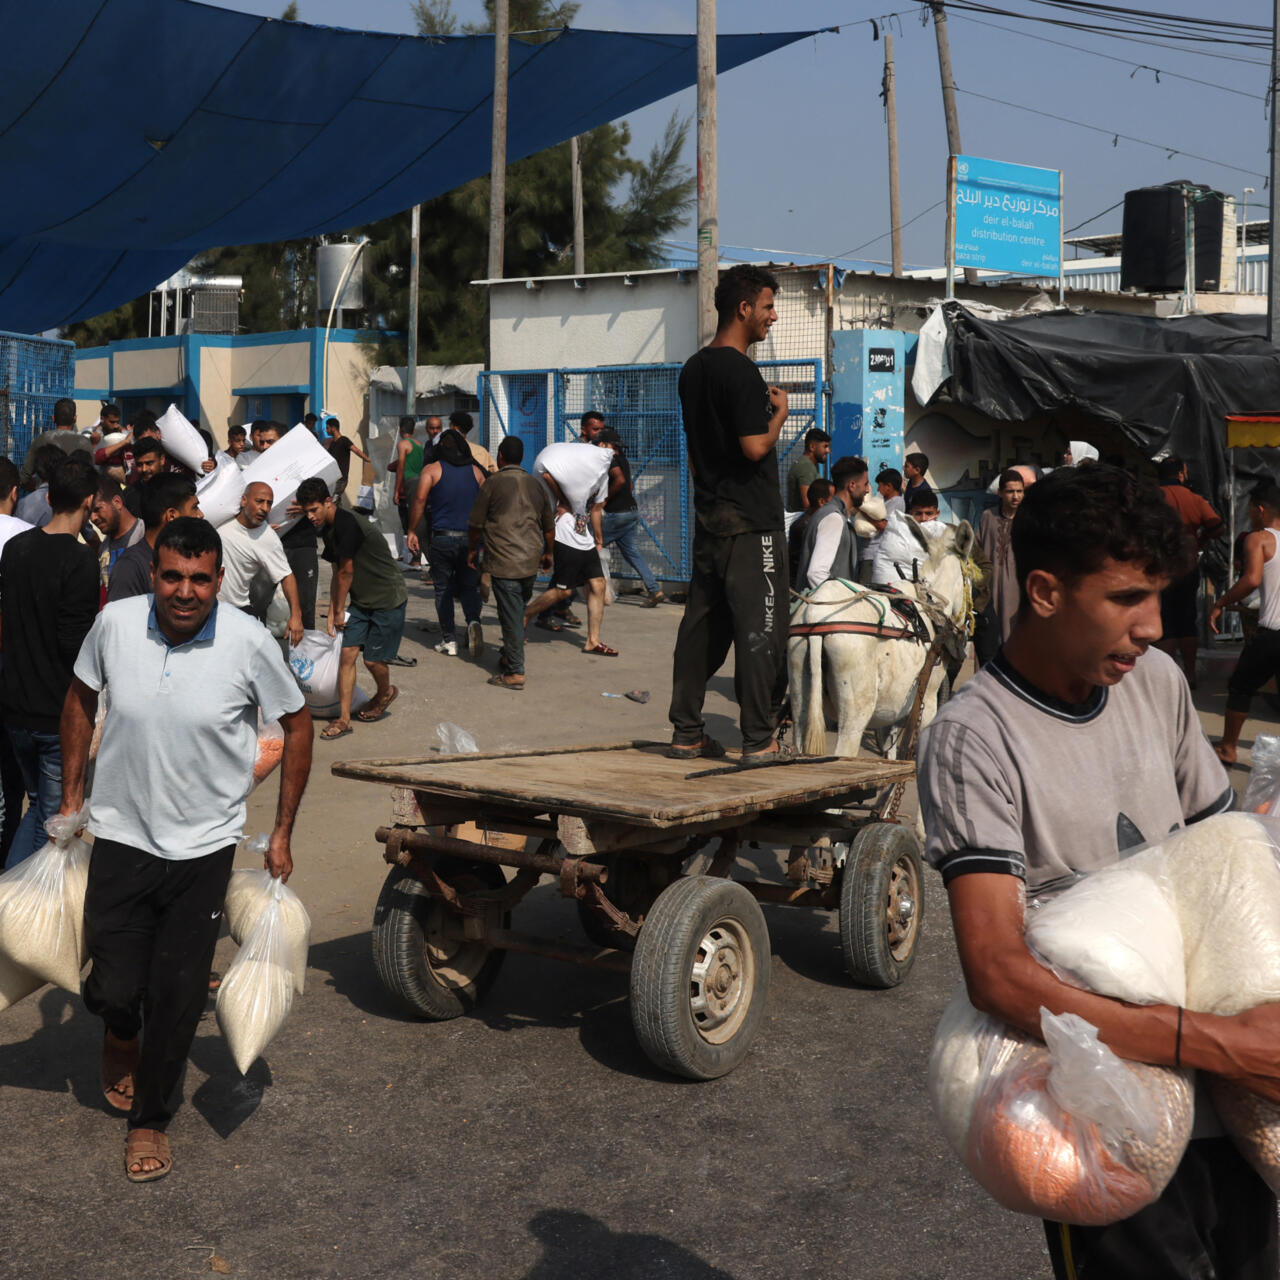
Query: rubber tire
{"type": "Point", "coordinates": [662, 970]}
{"type": "Point", "coordinates": [864, 891]}
{"type": "Point", "coordinates": [399, 942]}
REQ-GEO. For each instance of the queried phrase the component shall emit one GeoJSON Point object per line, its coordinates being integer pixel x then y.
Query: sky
{"type": "Point", "coordinates": [802, 138]}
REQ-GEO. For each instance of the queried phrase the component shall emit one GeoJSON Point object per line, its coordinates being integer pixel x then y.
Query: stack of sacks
{"type": "Point", "coordinates": [274, 931]}
{"type": "Point", "coordinates": [42, 914]}
{"type": "Point", "coordinates": [1063, 1130]}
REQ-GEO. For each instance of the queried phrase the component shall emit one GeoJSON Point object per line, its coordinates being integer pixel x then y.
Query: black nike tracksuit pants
{"type": "Point", "coordinates": [152, 924]}
{"type": "Point", "coordinates": [738, 596]}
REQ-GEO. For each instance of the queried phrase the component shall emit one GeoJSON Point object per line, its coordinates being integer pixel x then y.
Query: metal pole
{"type": "Point", "coordinates": [1188, 251]}
{"type": "Point", "coordinates": [954, 145]}
{"type": "Point", "coordinates": [951, 227]}
{"type": "Point", "coordinates": [579, 239]}
{"type": "Point", "coordinates": [1244, 242]}
{"type": "Point", "coordinates": [498, 161]}
{"type": "Point", "coordinates": [708, 204]}
{"type": "Point", "coordinates": [411, 372]}
{"type": "Point", "coordinates": [1273, 256]}
{"type": "Point", "coordinates": [1062, 262]}
{"type": "Point", "coordinates": [891, 116]}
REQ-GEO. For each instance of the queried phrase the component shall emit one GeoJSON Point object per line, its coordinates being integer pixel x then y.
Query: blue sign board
{"type": "Point", "coordinates": [868, 396]}
{"type": "Point", "coordinates": [1008, 217]}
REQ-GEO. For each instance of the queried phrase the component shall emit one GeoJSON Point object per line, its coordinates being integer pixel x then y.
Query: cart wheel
{"type": "Point", "coordinates": [881, 905]}
{"type": "Point", "coordinates": [433, 976]}
{"type": "Point", "coordinates": [700, 978]}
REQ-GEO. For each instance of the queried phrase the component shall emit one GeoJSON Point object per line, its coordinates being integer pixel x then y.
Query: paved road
{"type": "Point", "coordinates": [532, 1139]}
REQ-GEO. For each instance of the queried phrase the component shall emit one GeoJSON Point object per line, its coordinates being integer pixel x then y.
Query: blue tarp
{"type": "Point", "coordinates": [137, 133]}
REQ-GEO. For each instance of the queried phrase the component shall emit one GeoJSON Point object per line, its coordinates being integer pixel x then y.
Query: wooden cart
{"type": "Point", "coordinates": [646, 846]}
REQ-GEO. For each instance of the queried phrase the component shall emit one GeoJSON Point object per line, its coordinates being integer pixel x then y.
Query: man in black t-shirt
{"type": "Point", "coordinates": [738, 592]}
{"type": "Point", "coordinates": [341, 448]}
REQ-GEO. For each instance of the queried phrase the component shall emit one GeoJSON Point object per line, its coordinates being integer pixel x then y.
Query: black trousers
{"type": "Point", "coordinates": [304, 563]}
{"type": "Point", "coordinates": [152, 924]}
{"type": "Point", "coordinates": [738, 596]}
{"type": "Point", "coordinates": [1259, 660]}
{"type": "Point", "coordinates": [1215, 1221]}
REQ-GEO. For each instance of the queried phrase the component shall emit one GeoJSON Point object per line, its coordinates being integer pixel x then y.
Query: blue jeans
{"type": "Point", "coordinates": [623, 528]}
{"type": "Point", "coordinates": [510, 595]}
{"type": "Point", "coordinates": [453, 577]}
{"type": "Point", "coordinates": [39, 757]}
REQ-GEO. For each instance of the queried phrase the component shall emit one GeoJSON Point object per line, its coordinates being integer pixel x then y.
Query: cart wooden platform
{"type": "Point", "coordinates": [646, 846]}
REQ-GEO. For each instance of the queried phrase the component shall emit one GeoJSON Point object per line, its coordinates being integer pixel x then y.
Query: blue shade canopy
{"type": "Point", "coordinates": [136, 133]}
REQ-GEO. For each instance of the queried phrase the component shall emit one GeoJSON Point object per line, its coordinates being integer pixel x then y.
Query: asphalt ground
{"type": "Point", "coordinates": [532, 1138]}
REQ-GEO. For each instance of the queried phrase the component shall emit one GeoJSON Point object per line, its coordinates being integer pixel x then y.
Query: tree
{"type": "Point", "coordinates": [290, 13]}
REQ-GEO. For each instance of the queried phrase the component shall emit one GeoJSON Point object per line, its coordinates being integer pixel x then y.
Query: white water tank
{"type": "Point", "coordinates": [331, 262]}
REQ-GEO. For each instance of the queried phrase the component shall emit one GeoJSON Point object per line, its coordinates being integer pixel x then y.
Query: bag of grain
{"type": "Point", "coordinates": [250, 892]}
{"type": "Point", "coordinates": [257, 992]}
{"type": "Point", "coordinates": [42, 908]}
{"type": "Point", "coordinates": [314, 661]}
{"type": "Point", "coordinates": [270, 749]}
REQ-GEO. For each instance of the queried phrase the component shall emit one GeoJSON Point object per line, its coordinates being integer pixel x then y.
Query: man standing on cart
{"type": "Point", "coordinates": [1080, 703]}
{"type": "Point", "coordinates": [738, 595]}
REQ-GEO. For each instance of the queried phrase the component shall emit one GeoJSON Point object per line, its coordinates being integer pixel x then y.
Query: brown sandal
{"type": "Point", "coordinates": [116, 1074]}
{"type": "Point", "coordinates": [376, 710]}
{"type": "Point", "coordinates": [146, 1144]}
{"type": "Point", "coordinates": [601, 651]}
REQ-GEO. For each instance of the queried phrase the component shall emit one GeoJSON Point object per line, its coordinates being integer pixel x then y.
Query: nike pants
{"type": "Point", "coordinates": [738, 596]}
{"type": "Point", "coordinates": [151, 925]}
{"type": "Point", "coordinates": [1216, 1220]}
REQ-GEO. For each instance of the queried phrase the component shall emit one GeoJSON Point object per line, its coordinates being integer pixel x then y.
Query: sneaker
{"type": "Point", "coordinates": [475, 640]}
{"type": "Point", "coordinates": [448, 647]}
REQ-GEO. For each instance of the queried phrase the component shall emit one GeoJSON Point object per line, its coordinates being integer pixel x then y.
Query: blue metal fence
{"type": "Point", "coordinates": [641, 403]}
{"type": "Point", "coordinates": [34, 374]}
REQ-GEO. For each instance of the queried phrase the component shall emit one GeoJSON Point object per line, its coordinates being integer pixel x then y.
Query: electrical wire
{"type": "Point", "coordinates": [1113, 133]}
{"type": "Point", "coordinates": [1095, 217]}
{"type": "Point", "coordinates": [849, 253]}
{"type": "Point", "coordinates": [1110, 57]}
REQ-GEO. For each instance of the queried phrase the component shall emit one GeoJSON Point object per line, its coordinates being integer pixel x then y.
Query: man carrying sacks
{"type": "Point", "coordinates": [1077, 742]}
{"type": "Point", "coordinates": [188, 681]}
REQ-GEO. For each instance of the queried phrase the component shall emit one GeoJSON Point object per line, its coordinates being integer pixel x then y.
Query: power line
{"type": "Point", "coordinates": [1113, 133]}
{"type": "Point", "coordinates": [848, 253]}
{"type": "Point", "coordinates": [1110, 57]}
{"type": "Point", "coordinates": [1095, 217]}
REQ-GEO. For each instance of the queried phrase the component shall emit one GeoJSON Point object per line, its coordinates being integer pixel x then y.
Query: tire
{"type": "Point", "coordinates": [700, 977]}
{"type": "Point", "coordinates": [434, 980]}
{"type": "Point", "coordinates": [881, 905]}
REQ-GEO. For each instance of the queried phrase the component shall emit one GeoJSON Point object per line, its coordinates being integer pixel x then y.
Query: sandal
{"type": "Point", "coordinates": [398, 661]}
{"type": "Point", "coordinates": [116, 1074]}
{"type": "Point", "coordinates": [570, 619]}
{"type": "Point", "coordinates": [376, 710]}
{"type": "Point", "coordinates": [547, 624]}
{"type": "Point", "coordinates": [707, 749]}
{"type": "Point", "coordinates": [335, 729]}
{"type": "Point", "coordinates": [601, 650]}
{"type": "Point", "coordinates": [783, 754]}
{"type": "Point", "coordinates": [146, 1144]}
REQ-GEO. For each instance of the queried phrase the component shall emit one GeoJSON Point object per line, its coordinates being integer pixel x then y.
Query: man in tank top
{"type": "Point", "coordinates": [1260, 659]}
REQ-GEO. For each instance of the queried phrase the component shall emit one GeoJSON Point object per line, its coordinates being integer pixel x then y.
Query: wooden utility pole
{"type": "Point", "coordinates": [1273, 265]}
{"type": "Point", "coordinates": [411, 372]}
{"type": "Point", "coordinates": [498, 161]}
{"type": "Point", "coordinates": [891, 117]}
{"type": "Point", "coordinates": [708, 202]}
{"type": "Point", "coordinates": [954, 145]}
{"type": "Point", "coordinates": [579, 239]}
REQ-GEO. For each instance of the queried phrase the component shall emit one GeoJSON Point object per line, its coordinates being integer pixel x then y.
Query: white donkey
{"type": "Point", "coordinates": [870, 678]}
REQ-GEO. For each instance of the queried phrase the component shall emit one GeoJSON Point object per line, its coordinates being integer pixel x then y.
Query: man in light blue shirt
{"type": "Point", "coordinates": [187, 681]}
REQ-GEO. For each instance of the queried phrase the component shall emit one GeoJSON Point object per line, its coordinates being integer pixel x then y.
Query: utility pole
{"type": "Point", "coordinates": [1273, 255]}
{"type": "Point", "coordinates": [891, 117]}
{"type": "Point", "coordinates": [954, 145]}
{"type": "Point", "coordinates": [579, 239]}
{"type": "Point", "coordinates": [708, 200]}
{"type": "Point", "coordinates": [498, 162]}
{"type": "Point", "coordinates": [411, 373]}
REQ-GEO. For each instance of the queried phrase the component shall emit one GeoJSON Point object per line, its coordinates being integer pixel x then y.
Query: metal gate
{"type": "Point", "coordinates": [641, 403]}
{"type": "Point", "coordinates": [34, 374]}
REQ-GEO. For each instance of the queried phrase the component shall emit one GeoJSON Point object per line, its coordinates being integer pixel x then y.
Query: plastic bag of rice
{"type": "Point", "coordinates": [42, 907]}
{"type": "Point", "coordinates": [249, 894]}
{"type": "Point", "coordinates": [270, 749]}
{"type": "Point", "coordinates": [16, 983]}
{"type": "Point", "coordinates": [257, 991]}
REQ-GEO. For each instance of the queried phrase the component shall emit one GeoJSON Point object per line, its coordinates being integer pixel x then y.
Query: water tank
{"type": "Point", "coordinates": [331, 262]}
{"type": "Point", "coordinates": [1153, 239]}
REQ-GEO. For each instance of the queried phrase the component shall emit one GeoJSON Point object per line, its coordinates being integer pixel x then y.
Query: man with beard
{"type": "Point", "coordinates": [830, 548]}
{"type": "Point", "coordinates": [117, 524]}
{"type": "Point", "coordinates": [738, 591]}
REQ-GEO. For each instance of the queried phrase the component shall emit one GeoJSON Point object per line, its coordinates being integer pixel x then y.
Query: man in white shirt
{"type": "Point", "coordinates": [236, 446]}
{"type": "Point", "coordinates": [830, 548]}
{"type": "Point", "coordinates": [578, 477]}
{"type": "Point", "coordinates": [250, 547]}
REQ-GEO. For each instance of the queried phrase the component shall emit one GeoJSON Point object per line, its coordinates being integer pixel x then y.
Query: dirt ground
{"type": "Point", "coordinates": [531, 1138]}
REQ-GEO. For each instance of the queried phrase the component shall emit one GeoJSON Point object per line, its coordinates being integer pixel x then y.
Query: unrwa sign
{"type": "Point", "coordinates": [1006, 217]}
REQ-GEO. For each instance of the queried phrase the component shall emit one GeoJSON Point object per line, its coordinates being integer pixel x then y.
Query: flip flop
{"type": "Point", "coordinates": [116, 1071]}
{"type": "Point", "coordinates": [336, 729]}
{"type": "Point", "coordinates": [146, 1144]}
{"type": "Point", "coordinates": [601, 651]}
{"type": "Point", "coordinates": [398, 661]}
{"type": "Point", "coordinates": [547, 624]}
{"type": "Point", "coordinates": [376, 711]}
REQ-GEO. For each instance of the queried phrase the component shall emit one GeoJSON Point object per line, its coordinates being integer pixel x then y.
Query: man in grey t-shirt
{"type": "Point", "coordinates": [188, 682]}
{"type": "Point", "coordinates": [1077, 742]}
